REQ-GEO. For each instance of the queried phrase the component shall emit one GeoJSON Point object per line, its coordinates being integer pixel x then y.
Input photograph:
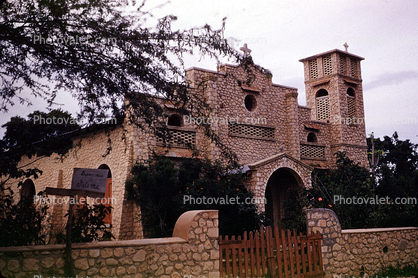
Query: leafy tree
{"type": "Point", "coordinates": [346, 180]}
{"type": "Point", "coordinates": [397, 177]}
{"type": "Point", "coordinates": [113, 62]}
{"type": "Point", "coordinates": [400, 156]}
{"type": "Point", "coordinates": [165, 190]}
{"type": "Point", "coordinates": [31, 137]}
{"type": "Point", "coordinates": [103, 55]}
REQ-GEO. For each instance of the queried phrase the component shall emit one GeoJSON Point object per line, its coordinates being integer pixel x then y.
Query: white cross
{"type": "Point", "coordinates": [346, 47]}
{"type": "Point", "coordinates": [246, 50]}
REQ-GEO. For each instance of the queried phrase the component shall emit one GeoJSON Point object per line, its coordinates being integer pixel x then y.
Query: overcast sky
{"type": "Point", "coordinates": [279, 33]}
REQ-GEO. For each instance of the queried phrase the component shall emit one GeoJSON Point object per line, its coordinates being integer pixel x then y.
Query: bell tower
{"type": "Point", "coordinates": [334, 92]}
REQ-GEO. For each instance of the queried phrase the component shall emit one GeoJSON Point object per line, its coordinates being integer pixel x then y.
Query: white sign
{"type": "Point", "coordinates": [90, 179]}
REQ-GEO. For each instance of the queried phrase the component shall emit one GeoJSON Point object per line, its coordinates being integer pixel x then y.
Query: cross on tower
{"type": "Point", "coordinates": [346, 47]}
{"type": "Point", "coordinates": [246, 50]}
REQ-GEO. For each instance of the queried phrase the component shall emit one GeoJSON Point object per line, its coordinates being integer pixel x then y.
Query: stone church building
{"type": "Point", "coordinates": [279, 141]}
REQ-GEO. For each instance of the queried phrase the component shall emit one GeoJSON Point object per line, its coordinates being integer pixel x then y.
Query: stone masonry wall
{"type": "Point", "coordinates": [225, 91]}
{"type": "Point", "coordinates": [193, 251]}
{"type": "Point", "coordinates": [346, 134]}
{"type": "Point", "coordinates": [351, 252]}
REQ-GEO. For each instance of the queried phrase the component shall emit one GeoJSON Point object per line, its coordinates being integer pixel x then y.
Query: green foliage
{"type": "Point", "coordinates": [153, 188]}
{"type": "Point", "coordinates": [396, 176]}
{"type": "Point", "coordinates": [165, 190]}
{"type": "Point", "coordinates": [400, 156]}
{"type": "Point", "coordinates": [21, 223]}
{"type": "Point", "coordinates": [347, 180]}
{"type": "Point", "coordinates": [31, 136]}
{"type": "Point", "coordinates": [88, 225]}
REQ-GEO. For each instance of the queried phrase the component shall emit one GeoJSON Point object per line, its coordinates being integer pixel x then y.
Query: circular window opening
{"type": "Point", "coordinates": [250, 102]}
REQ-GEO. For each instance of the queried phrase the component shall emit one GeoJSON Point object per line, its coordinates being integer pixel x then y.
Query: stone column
{"type": "Point", "coordinates": [292, 123]}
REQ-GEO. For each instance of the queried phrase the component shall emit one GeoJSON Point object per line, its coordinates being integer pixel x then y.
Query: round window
{"type": "Point", "coordinates": [250, 102]}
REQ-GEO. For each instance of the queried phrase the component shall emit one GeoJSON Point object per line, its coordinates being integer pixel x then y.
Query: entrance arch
{"type": "Point", "coordinates": [280, 190]}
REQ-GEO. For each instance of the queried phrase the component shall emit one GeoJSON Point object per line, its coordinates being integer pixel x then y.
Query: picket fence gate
{"type": "Point", "coordinates": [271, 253]}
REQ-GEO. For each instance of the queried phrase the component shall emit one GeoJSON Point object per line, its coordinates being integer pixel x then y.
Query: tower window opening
{"type": "Point", "coordinates": [351, 103]}
{"type": "Point", "coordinates": [353, 67]}
{"type": "Point", "coordinates": [322, 105]}
{"type": "Point", "coordinates": [327, 65]}
{"type": "Point", "coordinates": [343, 65]}
{"type": "Point", "coordinates": [313, 69]}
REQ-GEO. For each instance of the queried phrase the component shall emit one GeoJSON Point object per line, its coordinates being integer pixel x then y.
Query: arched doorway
{"type": "Point", "coordinates": [281, 192]}
{"type": "Point", "coordinates": [108, 193]}
{"type": "Point", "coordinates": [27, 191]}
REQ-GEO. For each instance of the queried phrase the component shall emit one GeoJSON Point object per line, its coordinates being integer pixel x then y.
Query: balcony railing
{"type": "Point", "coordinates": [312, 151]}
{"type": "Point", "coordinates": [178, 137]}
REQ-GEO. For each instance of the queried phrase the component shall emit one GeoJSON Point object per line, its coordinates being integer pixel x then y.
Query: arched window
{"type": "Point", "coordinates": [322, 105]}
{"type": "Point", "coordinates": [108, 193]}
{"type": "Point", "coordinates": [27, 192]}
{"type": "Point", "coordinates": [351, 103]}
{"type": "Point", "coordinates": [175, 120]}
{"type": "Point", "coordinates": [312, 137]}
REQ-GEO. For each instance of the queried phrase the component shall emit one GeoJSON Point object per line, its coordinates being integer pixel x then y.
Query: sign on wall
{"type": "Point", "coordinates": [90, 179]}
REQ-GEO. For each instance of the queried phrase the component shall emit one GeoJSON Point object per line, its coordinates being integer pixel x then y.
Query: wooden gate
{"type": "Point", "coordinates": [271, 253]}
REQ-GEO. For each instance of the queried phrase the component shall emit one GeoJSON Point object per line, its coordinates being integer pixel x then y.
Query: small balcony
{"type": "Point", "coordinates": [178, 137]}
{"type": "Point", "coordinates": [312, 151]}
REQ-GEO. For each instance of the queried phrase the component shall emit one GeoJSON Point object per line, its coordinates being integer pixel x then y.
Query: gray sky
{"type": "Point", "coordinates": [279, 33]}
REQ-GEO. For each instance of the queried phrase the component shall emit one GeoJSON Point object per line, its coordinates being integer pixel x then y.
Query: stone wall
{"type": "Point", "coordinates": [352, 252]}
{"type": "Point", "coordinates": [192, 251]}
{"type": "Point", "coordinates": [226, 92]}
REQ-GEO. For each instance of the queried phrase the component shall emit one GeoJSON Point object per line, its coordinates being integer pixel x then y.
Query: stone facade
{"type": "Point", "coordinates": [260, 121]}
{"type": "Point", "coordinates": [349, 253]}
{"type": "Point", "coordinates": [192, 252]}
{"type": "Point", "coordinates": [337, 73]}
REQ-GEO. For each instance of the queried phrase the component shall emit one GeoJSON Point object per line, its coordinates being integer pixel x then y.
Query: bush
{"type": "Point", "coordinates": [21, 223]}
{"type": "Point", "coordinates": [88, 225]}
{"type": "Point", "coordinates": [165, 190]}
